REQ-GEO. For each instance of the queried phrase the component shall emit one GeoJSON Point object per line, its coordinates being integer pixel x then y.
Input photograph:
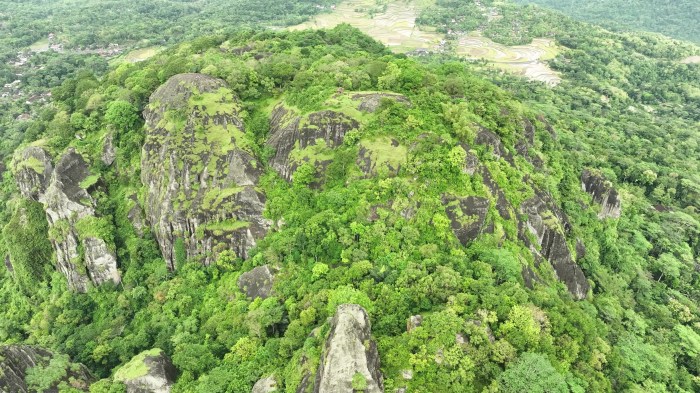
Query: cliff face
{"type": "Point", "coordinates": [81, 254]}
{"type": "Point", "coordinates": [199, 171]}
{"type": "Point", "coordinates": [548, 229]}
{"type": "Point", "coordinates": [16, 361]}
{"type": "Point", "coordinates": [603, 193]}
{"type": "Point", "coordinates": [350, 354]}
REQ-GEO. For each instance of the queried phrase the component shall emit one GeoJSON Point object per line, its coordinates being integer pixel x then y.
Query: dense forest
{"type": "Point", "coordinates": [226, 215]}
{"type": "Point", "coordinates": [676, 19]}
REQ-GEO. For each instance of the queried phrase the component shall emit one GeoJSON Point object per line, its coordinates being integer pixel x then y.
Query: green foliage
{"type": "Point", "coordinates": [26, 241]}
{"type": "Point", "coordinates": [41, 378]}
{"type": "Point", "coordinates": [532, 372]}
{"type": "Point", "coordinates": [121, 115]}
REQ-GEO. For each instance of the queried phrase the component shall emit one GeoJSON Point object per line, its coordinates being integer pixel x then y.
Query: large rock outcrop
{"type": "Point", "coordinates": [16, 361]}
{"type": "Point", "coordinates": [257, 283]}
{"type": "Point", "coordinates": [148, 372]}
{"type": "Point", "coordinates": [545, 224]}
{"type": "Point", "coordinates": [467, 216]}
{"type": "Point", "coordinates": [199, 172]}
{"type": "Point", "coordinates": [32, 169]}
{"type": "Point", "coordinates": [70, 211]}
{"type": "Point", "coordinates": [603, 193]}
{"type": "Point", "coordinates": [349, 350]}
{"type": "Point", "coordinates": [297, 139]}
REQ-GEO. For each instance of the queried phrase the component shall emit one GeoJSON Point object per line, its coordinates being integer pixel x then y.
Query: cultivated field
{"type": "Point", "coordinates": [396, 28]}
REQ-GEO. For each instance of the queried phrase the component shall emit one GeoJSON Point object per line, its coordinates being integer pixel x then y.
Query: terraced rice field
{"type": "Point", "coordinates": [525, 60]}
{"type": "Point", "coordinates": [397, 29]}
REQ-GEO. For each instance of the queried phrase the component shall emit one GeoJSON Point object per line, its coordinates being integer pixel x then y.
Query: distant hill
{"type": "Point", "coordinates": [677, 19]}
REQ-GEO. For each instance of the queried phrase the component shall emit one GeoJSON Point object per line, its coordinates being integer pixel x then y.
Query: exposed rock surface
{"type": "Point", "coordinates": [603, 193]}
{"type": "Point", "coordinates": [467, 216]}
{"type": "Point", "coordinates": [548, 231]}
{"type": "Point", "coordinates": [369, 102]}
{"type": "Point", "coordinates": [265, 385]}
{"type": "Point", "coordinates": [413, 322]}
{"type": "Point", "coordinates": [32, 169]}
{"type": "Point", "coordinates": [109, 153]}
{"type": "Point", "coordinates": [349, 349]}
{"type": "Point", "coordinates": [148, 372]}
{"type": "Point", "coordinates": [487, 137]}
{"type": "Point", "coordinates": [298, 139]}
{"type": "Point", "coordinates": [67, 204]}
{"type": "Point", "coordinates": [8, 264]}
{"type": "Point", "coordinates": [200, 176]}
{"type": "Point", "coordinates": [257, 282]}
{"type": "Point", "coordinates": [17, 360]}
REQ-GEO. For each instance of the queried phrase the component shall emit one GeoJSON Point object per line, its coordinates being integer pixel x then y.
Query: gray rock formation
{"type": "Point", "coordinates": [265, 385]}
{"type": "Point", "coordinates": [148, 372]}
{"type": "Point", "coordinates": [109, 153]}
{"type": "Point", "coordinates": [603, 193]}
{"type": "Point", "coordinates": [257, 282]}
{"type": "Point", "coordinates": [548, 230]}
{"type": "Point", "coordinates": [369, 102]}
{"type": "Point", "coordinates": [298, 139]}
{"type": "Point", "coordinates": [349, 350]}
{"type": "Point", "coordinates": [487, 137]}
{"type": "Point", "coordinates": [200, 176]}
{"type": "Point", "coordinates": [467, 216]}
{"type": "Point", "coordinates": [17, 360]}
{"type": "Point", "coordinates": [32, 169]}
{"type": "Point", "coordinates": [413, 322]}
{"type": "Point", "coordinates": [67, 205]}
{"type": "Point", "coordinates": [8, 264]}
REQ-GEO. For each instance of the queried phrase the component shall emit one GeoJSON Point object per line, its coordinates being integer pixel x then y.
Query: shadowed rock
{"type": "Point", "coordinates": [486, 137]}
{"type": "Point", "coordinates": [200, 176]}
{"type": "Point", "coordinates": [8, 264]}
{"type": "Point", "coordinates": [32, 169]}
{"type": "Point", "coordinates": [298, 139]}
{"type": "Point", "coordinates": [17, 360]}
{"type": "Point", "coordinates": [148, 372]}
{"type": "Point", "coordinates": [349, 350]}
{"type": "Point", "coordinates": [548, 231]}
{"type": "Point", "coordinates": [257, 282]}
{"type": "Point", "coordinates": [603, 193]}
{"type": "Point", "coordinates": [467, 216]}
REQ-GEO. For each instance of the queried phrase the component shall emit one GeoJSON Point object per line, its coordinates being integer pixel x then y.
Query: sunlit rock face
{"type": "Point", "coordinates": [69, 208]}
{"type": "Point", "coordinates": [349, 350]}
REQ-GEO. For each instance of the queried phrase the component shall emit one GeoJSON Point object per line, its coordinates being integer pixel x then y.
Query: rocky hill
{"type": "Point", "coordinates": [272, 210]}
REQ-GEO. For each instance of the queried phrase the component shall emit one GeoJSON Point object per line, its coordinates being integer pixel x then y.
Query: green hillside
{"type": "Point", "coordinates": [308, 211]}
